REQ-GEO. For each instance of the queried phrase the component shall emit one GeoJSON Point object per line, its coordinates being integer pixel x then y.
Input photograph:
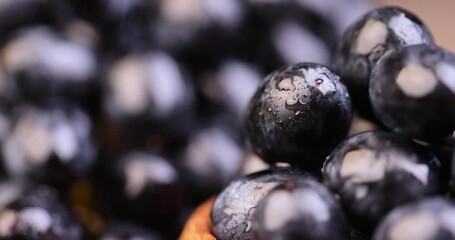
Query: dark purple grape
{"type": "Point", "coordinates": [277, 33]}
{"type": "Point", "coordinates": [298, 115]}
{"type": "Point", "coordinates": [370, 37]}
{"type": "Point", "coordinates": [147, 95]}
{"type": "Point", "coordinates": [198, 33]}
{"type": "Point", "coordinates": [374, 172]}
{"type": "Point", "coordinates": [49, 144]}
{"type": "Point", "coordinates": [143, 188]}
{"type": "Point", "coordinates": [412, 91]}
{"type": "Point", "coordinates": [299, 209]}
{"type": "Point", "coordinates": [234, 210]}
{"type": "Point", "coordinates": [38, 215]}
{"type": "Point", "coordinates": [11, 190]}
{"type": "Point", "coordinates": [39, 62]}
{"type": "Point", "coordinates": [431, 218]}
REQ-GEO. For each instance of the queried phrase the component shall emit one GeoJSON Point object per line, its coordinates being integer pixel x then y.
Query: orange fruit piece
{"type": "Point", "coordinates": [199, 225]}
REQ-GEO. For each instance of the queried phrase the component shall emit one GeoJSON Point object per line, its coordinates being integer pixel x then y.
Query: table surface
{"type": "Point", "coordinates": [438, 15]}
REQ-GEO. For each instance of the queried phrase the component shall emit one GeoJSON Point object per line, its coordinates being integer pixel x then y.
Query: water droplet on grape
{"type": "Point", "coordinates": [286, 85]}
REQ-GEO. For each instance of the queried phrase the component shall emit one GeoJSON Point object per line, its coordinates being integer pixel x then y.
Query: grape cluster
{"type": "Point", "coordinates": [393, 182]}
